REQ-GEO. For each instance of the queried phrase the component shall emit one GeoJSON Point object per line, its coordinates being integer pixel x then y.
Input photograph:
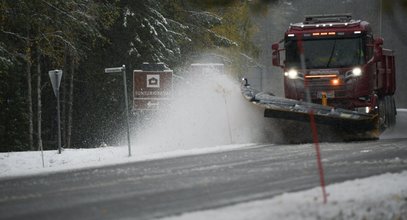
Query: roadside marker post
{"type": "Point", "coordinates": [55, 77]}
{"type": "Point", "coordinates": [319, 160]}
{"type": "Point", "coordinates": [122, 70]}
{"type": "Point", "coordinates": [313, 125]}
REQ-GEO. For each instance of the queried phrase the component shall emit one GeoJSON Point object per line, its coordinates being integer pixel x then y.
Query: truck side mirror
{"type": "Point", "coordinates": [378, 50]}
{"type": "Point", "coordinates": [276, 55]}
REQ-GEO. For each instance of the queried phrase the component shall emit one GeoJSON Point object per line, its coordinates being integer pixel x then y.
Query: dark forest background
{"type": "Point", "coordinates": [82, 37]}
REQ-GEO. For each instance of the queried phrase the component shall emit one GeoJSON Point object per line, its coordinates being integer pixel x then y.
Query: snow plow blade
{"type": "Point", "coordinates": [292, 118]}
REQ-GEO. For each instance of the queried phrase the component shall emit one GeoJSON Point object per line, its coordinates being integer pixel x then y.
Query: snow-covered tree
{"type": "Point", "coordinates": [34, 33]}
{"type": "Point", "coordinates": [84, 36]}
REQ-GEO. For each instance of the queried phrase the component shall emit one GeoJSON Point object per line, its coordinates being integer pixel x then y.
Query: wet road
{"type": "Point", "coordinates": [153, 189]}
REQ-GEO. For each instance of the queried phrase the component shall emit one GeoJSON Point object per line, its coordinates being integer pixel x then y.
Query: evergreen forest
{"type": "Point", "coordinates": [82, 37]}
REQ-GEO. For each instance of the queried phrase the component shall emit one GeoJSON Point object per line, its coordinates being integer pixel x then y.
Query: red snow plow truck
{"type": "Point", "coordinates": [334, 66]}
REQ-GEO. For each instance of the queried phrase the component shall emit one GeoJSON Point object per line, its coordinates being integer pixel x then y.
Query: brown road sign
{"type": "Point", "coordinates": [150, 104]}
{"type": "Point", "coordinates": [151, 89]}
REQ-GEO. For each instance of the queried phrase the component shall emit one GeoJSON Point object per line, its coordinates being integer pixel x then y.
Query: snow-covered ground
{"type": "Point", "coordinates": [379, 197]}
{"type": "Point", "coordinates": [15, 164]}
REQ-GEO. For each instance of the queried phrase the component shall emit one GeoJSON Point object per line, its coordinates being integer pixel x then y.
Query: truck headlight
{"type": "Point", "coordinates": [357, 71]}
{"type": "Point", "coordinates": [292, 74]}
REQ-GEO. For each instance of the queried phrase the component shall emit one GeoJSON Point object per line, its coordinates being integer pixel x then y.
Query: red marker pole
{"type": "Point", "coordinates": [312, 120]}
{"type": "Point", "coordinates": [317, 149]}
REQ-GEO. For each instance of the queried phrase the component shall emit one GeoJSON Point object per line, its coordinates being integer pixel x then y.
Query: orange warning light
{"type": "Point", "coordinates": [335, 82]}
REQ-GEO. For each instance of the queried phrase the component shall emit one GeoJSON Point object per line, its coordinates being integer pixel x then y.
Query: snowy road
{"type": "Point", "coordinates": [159, 188]}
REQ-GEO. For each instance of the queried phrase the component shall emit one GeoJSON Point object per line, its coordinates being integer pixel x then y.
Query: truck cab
{"type": "Point", "coordinates": [335, 60]}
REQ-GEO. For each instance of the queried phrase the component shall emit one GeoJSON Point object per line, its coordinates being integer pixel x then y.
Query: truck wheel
{"type": "Point", "coordinates": [392, 111]}
{"type": "Point", "coordinates": [382, 114]}
{"type": "Point", "coordinates": [387, 112]}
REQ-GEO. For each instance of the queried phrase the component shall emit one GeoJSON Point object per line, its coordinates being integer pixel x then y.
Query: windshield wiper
{"type": "Point", "coordinates": [332, 54]}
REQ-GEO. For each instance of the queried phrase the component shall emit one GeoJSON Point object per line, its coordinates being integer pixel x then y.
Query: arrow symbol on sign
{"type": "Point", "coordinates": [152, 103]}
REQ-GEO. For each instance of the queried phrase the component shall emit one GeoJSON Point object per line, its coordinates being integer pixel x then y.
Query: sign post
{"type": "Point", "coordinates": [122, 69]}
{"type": "Point", "coordinates": [56, 76]}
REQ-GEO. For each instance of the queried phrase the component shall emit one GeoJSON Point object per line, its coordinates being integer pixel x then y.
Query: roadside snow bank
{"type": "Point", "coordinates": [29, 163]}
{"type": "Point", "coordinates": [379, 197]}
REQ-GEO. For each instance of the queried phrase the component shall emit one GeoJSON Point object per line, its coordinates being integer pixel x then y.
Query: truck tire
{"type": "Point", "coordinates": [383, 114]}
{"type": "Point", "coordinates": [387, 112]}
{"type": "Point", "coordinates": [391, 106]}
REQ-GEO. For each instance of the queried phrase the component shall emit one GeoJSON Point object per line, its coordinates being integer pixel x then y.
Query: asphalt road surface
{"type": "Point", "coordinates": [153, 189]}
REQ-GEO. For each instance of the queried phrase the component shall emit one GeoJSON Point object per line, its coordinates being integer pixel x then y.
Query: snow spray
{"type": "Point", "coordinates": [206, 111]}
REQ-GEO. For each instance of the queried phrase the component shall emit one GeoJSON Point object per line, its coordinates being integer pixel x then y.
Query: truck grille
{"type": "Point", "coordinates": [318, 85]}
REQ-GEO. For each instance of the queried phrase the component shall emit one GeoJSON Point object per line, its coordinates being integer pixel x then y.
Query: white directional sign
{"type": "Point", "coordinates": [55, 76]}
{"type": "Point", "coordinates": [114, 69]}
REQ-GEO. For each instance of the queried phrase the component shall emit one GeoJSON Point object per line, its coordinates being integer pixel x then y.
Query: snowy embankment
{"type": "Point", "coordinates": [379, 197]}
{"type": "Point", "coordinates": [15, 164]}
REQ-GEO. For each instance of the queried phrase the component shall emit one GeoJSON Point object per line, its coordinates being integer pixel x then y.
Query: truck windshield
{"type": "Point", "coordinates": [326, 53]}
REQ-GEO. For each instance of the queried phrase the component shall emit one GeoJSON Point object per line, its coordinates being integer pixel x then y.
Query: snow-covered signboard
{"type": "Point", "coordinates": [152, 90]}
